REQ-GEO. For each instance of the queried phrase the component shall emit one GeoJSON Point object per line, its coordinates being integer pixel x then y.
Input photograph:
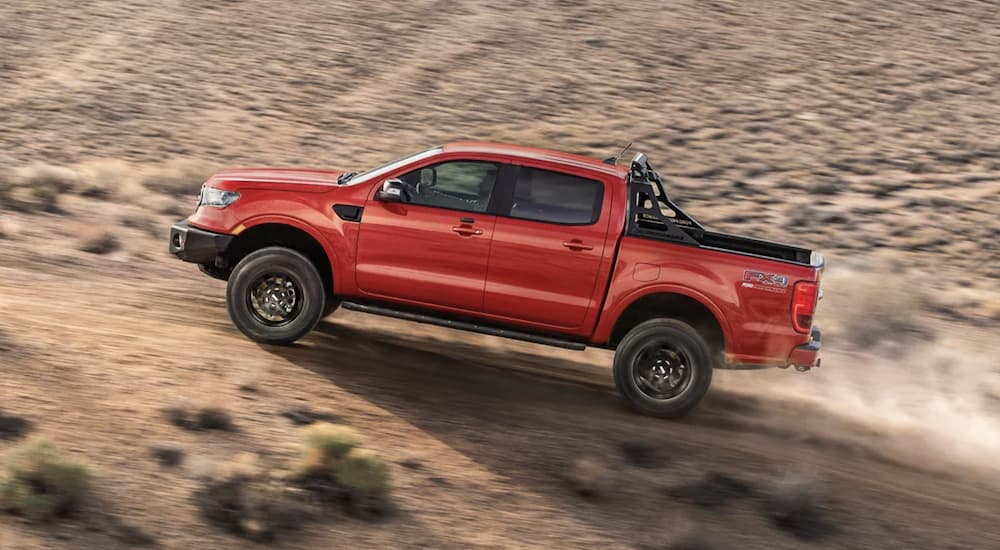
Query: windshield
{"type": "Point", "coordinates": [390, 166]}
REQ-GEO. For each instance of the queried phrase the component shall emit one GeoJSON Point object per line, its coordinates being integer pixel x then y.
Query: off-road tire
{"type": "Point", "coordinates": [309, 289]}
{"type": "Point", "coordinates": [679, 335]}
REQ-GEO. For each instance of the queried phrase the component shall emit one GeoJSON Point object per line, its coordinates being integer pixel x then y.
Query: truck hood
{"type": "Point", "coordinates": [304, 179]}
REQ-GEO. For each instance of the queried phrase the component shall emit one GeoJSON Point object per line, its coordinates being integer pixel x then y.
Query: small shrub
{"type": "Point", "coordinates": [12, 427]}
{"type": "Point", "coordinates": [794, 504]}
{"type": "Point", "coordinates": [142, 223]}
{"type": "Point", "coordinates": [54, 179]}
{"type": "Point", "coordinates": [194, 417]}
{"type": "Point", "coordinates": [166, 454]}
{"type": "Point", "coordinates": [363, 473]}
{"type": "Point", "coordinates": [324, 445]}
{"type": "Point", "coordinates": [103, 243]}
{"type": "Point", "coordinates": [39, 482]}
{"type": "Point", "coordinates": [177, 178]}
{"type": "Point", "coordinates": [213, 418]}
{"type": "Point", "coordinates": [330, 441]}
{"type": "Point", "coordinates": [335, 471]}
{"type": "Point", "coordinates": [239, 498]}
{"type": "Point", "coordinates": [46, 199]}
{"type": "Point", "coordinates": [103, 179]}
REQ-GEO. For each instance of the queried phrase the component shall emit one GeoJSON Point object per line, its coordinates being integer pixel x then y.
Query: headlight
{"type": "Point", "coordinates": [217, 198]}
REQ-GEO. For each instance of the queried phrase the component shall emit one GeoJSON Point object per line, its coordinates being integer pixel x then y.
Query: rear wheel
{"type": "Point", "coordinates": [275, 295]}
{"type": "Point", "coordinates": [663, 368]}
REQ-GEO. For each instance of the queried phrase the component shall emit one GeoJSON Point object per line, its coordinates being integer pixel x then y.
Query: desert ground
{"type": "Point", "coordinates": [866, 129]}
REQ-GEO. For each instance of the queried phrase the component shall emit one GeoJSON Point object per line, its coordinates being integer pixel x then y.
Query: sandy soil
{"type": "Point", "coordinates": [867, 130]}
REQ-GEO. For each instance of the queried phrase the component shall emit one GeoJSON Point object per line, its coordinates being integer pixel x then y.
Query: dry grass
{"type": "Point", "coordinates": [40, 482]}
{"type": "Point", "coordinates": [56, 179]}
{"type": "Point", "coordinates": [105, 179]}
{"type": "Point", "coordinates": [177, 178]}
{"type": "Point", "coordinates": [36, 188]}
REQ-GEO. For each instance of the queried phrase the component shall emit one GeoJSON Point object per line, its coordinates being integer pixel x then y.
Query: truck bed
{"type": "Point", "coordinates": [677, 230]}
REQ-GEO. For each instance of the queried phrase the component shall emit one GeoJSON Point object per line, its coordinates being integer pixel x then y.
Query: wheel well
{"type": "Point", "coordinates": [672, 306]}
{"type": "Point", "coordinates": [276, 234]}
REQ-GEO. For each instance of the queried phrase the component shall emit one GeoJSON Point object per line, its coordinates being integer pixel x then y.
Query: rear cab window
{"type": "Point", "coordinates": [556, 197]}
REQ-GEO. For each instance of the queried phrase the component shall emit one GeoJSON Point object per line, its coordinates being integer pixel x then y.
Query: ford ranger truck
{"type": "Point", "coordinates": [530, 244]}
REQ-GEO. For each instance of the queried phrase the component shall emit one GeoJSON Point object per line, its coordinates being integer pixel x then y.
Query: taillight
{"type": "Point", "coordinates": [804, 305]}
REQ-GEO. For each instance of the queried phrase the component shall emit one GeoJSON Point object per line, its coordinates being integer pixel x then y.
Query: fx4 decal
{"type": "Point", "coordinates": [770, 282]}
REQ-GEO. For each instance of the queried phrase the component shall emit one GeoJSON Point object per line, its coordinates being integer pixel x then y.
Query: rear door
{"type": "Point", "coordinates": [433, 248]}
{"type": "Point", "coordinates": [547, 250]}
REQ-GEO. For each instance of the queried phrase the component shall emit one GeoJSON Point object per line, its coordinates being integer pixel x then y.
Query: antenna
{"type": "Point", "coordinates": [614, 160]}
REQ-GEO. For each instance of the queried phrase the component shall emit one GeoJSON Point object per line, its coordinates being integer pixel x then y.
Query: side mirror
{"type": "Point", "coordinates": [392, 191]}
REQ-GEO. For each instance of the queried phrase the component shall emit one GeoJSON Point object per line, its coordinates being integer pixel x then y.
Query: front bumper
{"type": "Point", "coordinates": [807, 355]}
{"type": "Point", "coordinates": [197, 245]}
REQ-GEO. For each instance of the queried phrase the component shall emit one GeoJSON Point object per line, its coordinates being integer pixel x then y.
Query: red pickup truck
{"type": "Point", "coordinates": [525, 243]}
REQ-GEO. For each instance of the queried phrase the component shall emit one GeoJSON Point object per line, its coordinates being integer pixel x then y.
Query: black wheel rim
{"type": "Point", "coordinates": [662, 370]}
{"type": "Point", "coordinates": [275, 298]}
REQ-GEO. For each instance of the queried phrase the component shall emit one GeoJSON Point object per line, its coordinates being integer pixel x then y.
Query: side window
{"type": "Point", "coordinates": [458, 185]}
{"type": "Point", "coordinates": [554, 197]}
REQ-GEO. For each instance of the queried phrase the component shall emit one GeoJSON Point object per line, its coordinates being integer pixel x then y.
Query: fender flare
{"type": "Point", "coordinates": [301, 225]}
{"type": "Point", "coordinates": [612, 316]}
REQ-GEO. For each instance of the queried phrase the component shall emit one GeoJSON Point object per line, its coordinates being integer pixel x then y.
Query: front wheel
{"type": "Point", "coordinates": [663, 368]}
{"type": "Point", "coordinates": [275, 295]}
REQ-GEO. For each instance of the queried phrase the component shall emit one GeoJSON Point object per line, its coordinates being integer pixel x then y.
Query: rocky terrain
{"type": "Point", "coordinates": [865, 129]}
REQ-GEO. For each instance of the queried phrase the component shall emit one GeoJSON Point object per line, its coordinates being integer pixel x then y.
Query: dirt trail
{"type": "Point", "coordinates": [494, 426]}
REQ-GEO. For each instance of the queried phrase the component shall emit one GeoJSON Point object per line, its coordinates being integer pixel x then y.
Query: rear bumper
{"type": "Point", "coordinates": [197, 245]}
{"type": "Point", "coordinates": [807, 355]}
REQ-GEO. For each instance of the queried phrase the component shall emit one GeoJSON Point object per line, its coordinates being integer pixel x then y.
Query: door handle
{"type": "Point", "coordinates": [577, 245]}
{"type": "Point", "coordinates": [466, 231]}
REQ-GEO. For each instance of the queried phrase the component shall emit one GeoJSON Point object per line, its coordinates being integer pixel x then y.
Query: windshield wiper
{"type": "Point", "coordinates": [345, 177]}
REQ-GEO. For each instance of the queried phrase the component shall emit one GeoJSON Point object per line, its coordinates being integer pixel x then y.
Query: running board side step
{"type": "Point", "coordinates": [462, 325]}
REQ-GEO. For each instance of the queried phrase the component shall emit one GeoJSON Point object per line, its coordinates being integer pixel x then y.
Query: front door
{"type": "Point", "coordinates": [547, 253]}
{"type": "Point", "coordinates": [432, 248]}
